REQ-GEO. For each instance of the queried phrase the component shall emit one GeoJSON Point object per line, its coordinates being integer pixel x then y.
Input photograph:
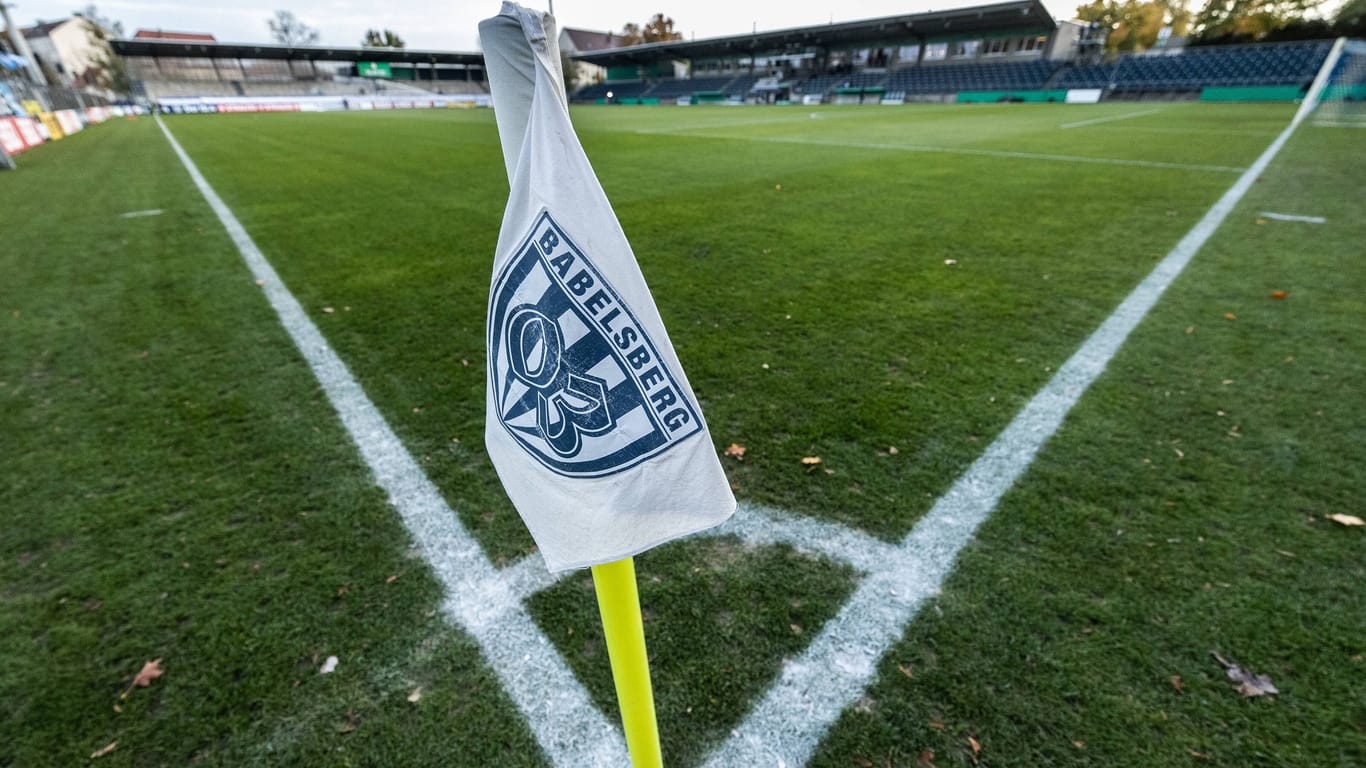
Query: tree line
{"type": "Point", "coordinates": [1135, 25]}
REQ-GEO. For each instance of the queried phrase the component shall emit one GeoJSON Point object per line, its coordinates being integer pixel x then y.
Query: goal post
{"type": "Point", "coordinates": [1341, 102]}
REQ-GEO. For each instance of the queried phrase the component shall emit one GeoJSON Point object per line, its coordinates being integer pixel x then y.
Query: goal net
{"type": "Point", "coordinates": [1342, 102]}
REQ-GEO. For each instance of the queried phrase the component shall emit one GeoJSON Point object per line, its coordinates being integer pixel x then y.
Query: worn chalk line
{"type": "Point", "coordinates": [557, 709]}
{"type": "Point", "coordinates": [1110, 119]}
{"type": "Point", "coordinates": [1292, 217]}
{"type": "Point", "coordinates": [787, 724]}
{"type": "Point", "coordinates": [926, 148]}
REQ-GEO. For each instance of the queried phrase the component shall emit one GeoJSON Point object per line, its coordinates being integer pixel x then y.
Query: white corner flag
{"type": "Point", "coordinates": [591, 424]}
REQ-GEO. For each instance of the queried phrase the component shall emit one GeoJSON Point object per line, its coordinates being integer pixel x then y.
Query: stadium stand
{"type": "Point", "coordinates": [672, 89]}
{"type": "Point", "coordinates": [950, 78]}
{"type": "Point", "coordinates": [1195, 68]}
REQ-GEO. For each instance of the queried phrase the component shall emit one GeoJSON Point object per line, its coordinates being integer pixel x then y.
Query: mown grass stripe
{"type": "Point", "coordinates": [557, 708]}
{"type": "Point", "coordinates": [788, 723]}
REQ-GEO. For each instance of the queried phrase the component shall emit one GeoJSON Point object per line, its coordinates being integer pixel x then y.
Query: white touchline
{"type": "Point", "coordinates": [1110, 119]}
{"type": "Point", "coordinates": [557, 709]}
{"type": "Point", "coordinates": [1293, 217]}
{"type": "Point", "coordinates": [787, 724]}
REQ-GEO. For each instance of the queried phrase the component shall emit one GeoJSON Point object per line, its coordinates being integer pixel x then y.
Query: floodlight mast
{"type": "Point", "coordinates": [21, 45]}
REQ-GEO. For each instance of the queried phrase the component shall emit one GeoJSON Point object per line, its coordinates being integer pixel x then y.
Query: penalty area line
{"type": "Point", "coordinates": [968, 151]}
{"type": "Point", "coordinates": [557, 709]}
{"type": "Point", "coordinates": [788, 723]}
{"type": "Point", "coordinates": [1110, 119]}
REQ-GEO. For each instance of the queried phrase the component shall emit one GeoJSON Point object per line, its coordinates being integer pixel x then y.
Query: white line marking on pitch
{"type": "Point", "coordinates": [140, 214]}
{"type": "Point", "coordinates": [1293, 217]}
{"type": "Point", "coordinates": [557, 709]}
{"type": "Point", "coordinates": [968, 151]}
{"type": "Point", "coordinates": [788, 723]}
{"type": "Point", "coordinates": [1110, 119]}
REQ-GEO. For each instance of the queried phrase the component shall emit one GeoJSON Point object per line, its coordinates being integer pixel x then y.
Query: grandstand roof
{"type": "Point", "coordinates": [161, 34]}
{"type": "Point", "coordinates": [206, 50]}
{"type": "Point", "coordinates": [1000, 17]}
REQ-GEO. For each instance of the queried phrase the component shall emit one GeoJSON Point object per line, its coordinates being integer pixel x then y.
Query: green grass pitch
{"type": "Point", "coordinates": [838, 282]}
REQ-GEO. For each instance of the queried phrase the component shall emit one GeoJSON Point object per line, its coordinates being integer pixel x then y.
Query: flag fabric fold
{"type": "Point", "coordinates": [591, 424]}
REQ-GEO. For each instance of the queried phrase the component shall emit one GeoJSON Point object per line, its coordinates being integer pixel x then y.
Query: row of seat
{"type": "Point", "coordinates": [1193, 68]}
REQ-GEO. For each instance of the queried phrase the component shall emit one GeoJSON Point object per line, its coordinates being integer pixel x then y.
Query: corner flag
{"type": "Point", "coordinates": [591, 424]}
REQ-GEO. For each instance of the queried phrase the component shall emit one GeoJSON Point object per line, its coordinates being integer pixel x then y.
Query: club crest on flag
{"type": "Point", "coordinates": [579, 384]}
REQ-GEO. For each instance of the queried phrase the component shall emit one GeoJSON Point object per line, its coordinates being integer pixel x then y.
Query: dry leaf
{"type": "Point", "coordinates": [106, 749]}
{"type": "Point", "coordinates": [736, 450]}
{"type": "Point", "coordinates": [260, 282]}
{"type": "Point", "coordinates": [329, 310]}
{"type": "Point", "coordinates": [976, 745]}
{"type": "Point", "coordinates": [329, 666]}
{"type": "Point", "coordinates": [905, 670]}
{"type": "Point", "coordinates": [892, 450]}
{"type": "Point", "coordinates": [925, 759]}
{"type": "Point", "coordinates": [864, 762]}
{"type": "Point", "coordinates": [1176, 683]}
{"type": "Point", "coordinates": [1079, 744]}
{"type": "Point", "coordinates": [415, 695]}
{"type": "Point", "coordinates": [1250, 685]}
{"type": "Point", "coordinates": [935, 724]}
{"type": "Point", "coordinates": [950, 262]}
{"type": "Point", "coordinates": [1200, 755]}
{"type": "Point", "coordinates": [1261, 221]}
{"type": "Point", "coordinates": [811, 461]}
{"type": "Point", "coordinates": [1230, 316]}
{"type": "Point", "coordinates": [149, 672]}
{"type": "Point", "coordinates": [391, 579]}
{"type": "Point", "coordinates": [1279, 294]}
{"type": "Point", "coordinates": [1349, 520]}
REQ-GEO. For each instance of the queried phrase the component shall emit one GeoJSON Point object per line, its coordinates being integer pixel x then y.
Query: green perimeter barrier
{"type": "Point", "coordinates": [1252, 93]}
{"type": "Point", "coordinates": [1353, 92]}
{"type": "Point", "coordinates": [708, 97]}
{"type": "Point", "coordinates": [991, 97]}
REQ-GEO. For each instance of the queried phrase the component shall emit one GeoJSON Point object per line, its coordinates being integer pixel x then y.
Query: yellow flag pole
{"type": "Point", "coordinates": [619, 604]}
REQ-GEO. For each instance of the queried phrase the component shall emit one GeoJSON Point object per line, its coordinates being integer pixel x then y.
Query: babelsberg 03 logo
{"type": "Point", "coordinates": [578, 382]}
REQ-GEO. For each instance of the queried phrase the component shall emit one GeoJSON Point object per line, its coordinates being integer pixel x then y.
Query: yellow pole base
{"type": "Point", "coordinates": [619, 605]}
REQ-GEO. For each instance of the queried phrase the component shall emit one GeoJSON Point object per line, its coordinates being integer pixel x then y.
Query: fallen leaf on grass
{"type": "Point", "coordinates": [329, 666]}
{"type": "Point", "coordinates": [1176, 683]}
{"type": "Point", "coordinates": [811, 461]}
{"type": "Point", "coordinates": [864, 762]}
{"type": "Point", "coordinates": [415, 695]}
{"type": "Point", "coordinates": [892, 450]}
{"type": "Point", "coordinates": [905, 670]}
{"type": "Point", "coordinates": [1279, 294]}
{"type": "Point", "coordinates": [925, 759]}
{"type": "Point", "coordinates": [950, 262]}
{"type": "Point", "coordinates": [1348, 520]}
{"type": "Point", "coordinates": [1250, 685]}
{"type": "Point", "coordinates": [1230, 316]}
{"type": "Point", "coordinates": [736, 450]}
{"type": "Point", "coordinates": [1199, 755]}
{"type": "Point", "coordinates": [149, 672]}
{"type": "Point", "coordinates": [976, 746]}
{"type": "Point", "coordinates": [935, 724]}
{"type": "Point", "coordinates": [391, 579]}
{"type": "Point", "coordinates": [329, 310]}
{"type": "Point", "coordinates": [102, 751]}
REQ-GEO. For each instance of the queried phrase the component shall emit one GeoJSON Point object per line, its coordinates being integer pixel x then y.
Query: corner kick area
{"type": "Point", "coordinates": [813, 711]}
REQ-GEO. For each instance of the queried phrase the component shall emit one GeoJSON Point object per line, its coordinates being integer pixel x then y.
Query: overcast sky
{"type": "Point", "coordinates": [453, 25]}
